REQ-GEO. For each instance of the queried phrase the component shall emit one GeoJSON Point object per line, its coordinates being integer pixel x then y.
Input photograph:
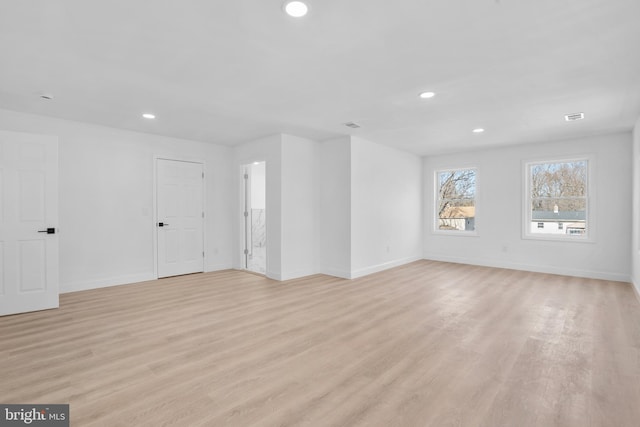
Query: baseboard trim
{"type": "Point", "coordinates": [105, 283]}
{"type": "Point", "coordinates": [298, 274]}
{"type": "Point", "coordinates": [343, 274]}
{"type": "Point", "coordinates": [534, 268]}
{"type": "Point", "coordinates": [218, 267]}
{"type": "Point", "coordinates": [361, 272]}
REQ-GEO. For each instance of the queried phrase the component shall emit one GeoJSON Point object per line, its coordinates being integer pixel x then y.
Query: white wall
{"type": "Point", "coordinates": [386, 211]}
{"type": "Point", "coordinates": [300, 220]}
{"type": "Point", "coordinates": [635, 234]}
{"type": "Point", "coordinates": [370, 207]}
{"type": "Point", "coordinates": [106, 199]}
{"type": "Point", "coordinates": [269, 150]}
{"type": "Point", "coordinates": [334, 166]}
{"type": "Point", "coordinates": [499, 217]}
{"type": "Point", "coordinates": [291, 203]}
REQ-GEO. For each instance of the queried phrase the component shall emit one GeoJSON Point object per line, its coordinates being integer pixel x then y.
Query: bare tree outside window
{"type": "Point", "coordinates": [558, 195]}
{"type": "Point", "coordinates": [456, 199]}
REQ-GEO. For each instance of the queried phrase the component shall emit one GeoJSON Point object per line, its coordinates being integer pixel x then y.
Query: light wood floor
{"type": "Point", "coordinates": [426, 344]}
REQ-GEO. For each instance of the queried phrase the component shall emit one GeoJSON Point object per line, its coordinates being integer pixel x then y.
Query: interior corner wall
{"type": "Point", "coordinates": [269, 150]}
{"type": "Point", "coordinates": [334, 171]}
{"type": "Point", "coordinates": [635, 230]}
{"type": "Point", "coordinates": [499, 220]}
{"type": "Point", "coordinates": [386, 207]}
{"type": "Point", "coordinates": [299, 207]}
{"type": "Point", "coordinates": [106, 183]}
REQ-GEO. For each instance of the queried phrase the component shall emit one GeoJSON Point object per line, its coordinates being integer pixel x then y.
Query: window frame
{"type": "Point", "coordinates": [590, 226]}
{"type": "Point", "coordinates": [435, 227]}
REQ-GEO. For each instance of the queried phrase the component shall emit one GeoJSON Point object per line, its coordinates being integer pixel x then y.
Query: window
{"type": "Point", "coordinates": [456, 204]}
{"type": "Point", "coordinates": [557, 193]}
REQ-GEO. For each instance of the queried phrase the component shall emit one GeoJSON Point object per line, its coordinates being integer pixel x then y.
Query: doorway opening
{"type": "Point", "coordinates": [254, 253]}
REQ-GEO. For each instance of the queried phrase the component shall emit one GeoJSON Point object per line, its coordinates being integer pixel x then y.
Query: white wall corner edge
{"type": "Point", "coordinates": [104, 283]}
{"type": "Point", "coordinates": [636, 288]}
{"type": "Point", "coordinates": [600, 275]}
{"type": "Point", "coordinates": [272, 275]}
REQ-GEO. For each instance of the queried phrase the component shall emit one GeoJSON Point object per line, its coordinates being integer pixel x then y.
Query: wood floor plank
{"type": "Point", "coordinates": [425, 344]}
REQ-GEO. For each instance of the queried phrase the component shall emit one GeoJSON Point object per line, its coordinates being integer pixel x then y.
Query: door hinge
{"type": "Point", "coordinates": [246, 176]}
{"type": "Point", "coordinates": [246, 251]}
{"type": "Point", "coordinates": [246, 214]}
{"type": "Point", "coordinates": [202, 214]}
{"type": "Point", "coordinates": [202, 254]}
{"type": "Point", "coordinates": [202, 175]}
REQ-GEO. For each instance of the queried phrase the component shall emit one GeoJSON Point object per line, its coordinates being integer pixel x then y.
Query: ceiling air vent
{"type": "Point", "coordinates": [352, 125]}
{"type": "Point", "coordinates": [573, 117]}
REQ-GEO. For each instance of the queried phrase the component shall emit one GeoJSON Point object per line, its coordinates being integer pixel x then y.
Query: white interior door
{"type": "Point", "coordinates": [28, 208]}
{"type": "Point", "coordinates": [180, 217]}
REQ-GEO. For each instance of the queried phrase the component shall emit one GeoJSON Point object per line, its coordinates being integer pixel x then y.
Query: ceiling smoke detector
{"type": "Point", "coordinates": [573, 117]}
{"type": "Point", "coordinates": [352, 125]}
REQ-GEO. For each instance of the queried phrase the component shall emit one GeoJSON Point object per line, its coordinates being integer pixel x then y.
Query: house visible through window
{"type": "Point", "coordinates": [456, 204]}
{"type": "Point", "coordinates": [557, 194]}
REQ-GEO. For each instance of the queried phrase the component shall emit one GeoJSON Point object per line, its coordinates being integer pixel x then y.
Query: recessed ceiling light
{"type": "Point", "coordinates": [574, 116]}
{"type": "Point", "coordinates": [149, 116]}
{"type": "Point", "coordinates": [427, 95]}
{"type": "Point", "coordinates": [297, 9]}
{"type": "Point", "coordinates": [478, 130]}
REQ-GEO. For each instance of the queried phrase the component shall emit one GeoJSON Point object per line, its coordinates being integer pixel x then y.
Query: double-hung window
{"type": "Point", "coordinates": [557, 194]}
{"type": "Point", "coordinates": [456, 200]}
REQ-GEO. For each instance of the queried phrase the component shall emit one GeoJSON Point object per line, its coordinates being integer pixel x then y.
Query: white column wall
{"type": "Point", "coordinates": [300, 218]}
{"type": "Point", "coordinates": [335, 207]}
{"type": "Point", "coordinates": [386, 211]}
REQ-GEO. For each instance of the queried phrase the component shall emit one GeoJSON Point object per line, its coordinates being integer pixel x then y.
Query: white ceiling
{"type": "Point", "coordinates": [232, 71]}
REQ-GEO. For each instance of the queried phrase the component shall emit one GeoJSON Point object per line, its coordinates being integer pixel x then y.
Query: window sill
{"type": "Point", "coordinates": [552, 238]}
{"type": "Point", "coordinates": [455, 233]}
